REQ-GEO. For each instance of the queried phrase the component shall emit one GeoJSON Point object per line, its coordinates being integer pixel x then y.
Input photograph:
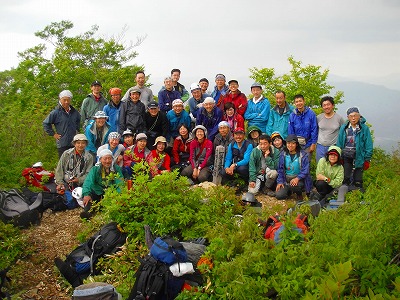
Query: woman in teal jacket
{"type": "Point", "coordinates": [355, 140]}
{"type": "Point", "coordinates": [98, 179]}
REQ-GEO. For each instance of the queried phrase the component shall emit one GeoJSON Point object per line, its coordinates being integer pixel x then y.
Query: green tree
{"type": "Point", "coordinates": [310, 81]}
{"type": "Point", "coordinates": [30, 91]}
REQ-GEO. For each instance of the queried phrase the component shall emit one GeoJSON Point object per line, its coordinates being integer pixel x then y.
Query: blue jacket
{"type": "Point", "coordinates": [364, 144]}
{"type": "Point", "coordinates": [174, 121]}
{"type": "Point", "coordinates": [165, 99]}
{"type": "Point", "coordinates": [258, 114]}
{"type": "Point", "coordinates": [112, 111]}
{"type": "Point", "coordinates": [305, 125]}
{"type": "Point", "coordinates": [209, 122]}
{"type": "Point", "coordinates": [90, 133]}
{"type": "Point", "coordinates": [277, 122]}
{"type": "Point", "coordinates": [304, 170]}
{"type": "Point", "coordinates": [218, 93]}
{"type": "Point", "coordinates": [66, 124]}
{"type": "Point", "coordinates": [193, 104]}
{"type": "Point", "coordinates": [246, 157]}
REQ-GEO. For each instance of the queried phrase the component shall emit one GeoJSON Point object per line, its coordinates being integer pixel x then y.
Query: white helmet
{"type": "Point", "coordinates": [77, 194]}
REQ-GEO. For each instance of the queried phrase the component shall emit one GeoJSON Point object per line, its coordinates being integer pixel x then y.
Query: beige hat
{"type": "Point", "coordinates": [79, 137]}
{"type": "Point", "coordinates": [160, 139]}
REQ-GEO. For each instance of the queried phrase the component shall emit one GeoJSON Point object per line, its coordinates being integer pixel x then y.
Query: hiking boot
{"type": "Point", "coordinates": [86, 215]}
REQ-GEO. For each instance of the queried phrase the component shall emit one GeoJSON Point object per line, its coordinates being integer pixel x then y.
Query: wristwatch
{"type": "Point", "coordinates": [326, 179]}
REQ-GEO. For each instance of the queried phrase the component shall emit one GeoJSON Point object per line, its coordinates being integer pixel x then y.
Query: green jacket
{"type": "Point", "coordinates": [364, 144]}
{"type": "Point", "coordinates": [255, 162]}
{"type": "Point", "coordinates": [335, 173]}
{"type": "Point", "coordinates": [94, 184]}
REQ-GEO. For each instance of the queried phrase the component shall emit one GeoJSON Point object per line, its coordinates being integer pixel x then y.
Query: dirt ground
{"type": "Point", "coordinates": [56, 236]}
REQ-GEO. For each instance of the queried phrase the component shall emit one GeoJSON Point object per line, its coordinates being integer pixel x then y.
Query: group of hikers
{"type": "Point", "coordinates": [186, 132]}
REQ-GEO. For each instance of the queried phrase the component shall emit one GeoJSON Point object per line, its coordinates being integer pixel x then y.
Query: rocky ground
{"type": "Point", "coordinates": [56, 236]}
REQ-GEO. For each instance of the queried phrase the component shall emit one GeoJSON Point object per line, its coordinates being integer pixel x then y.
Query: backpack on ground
{"type": "Point", "coordinates": [155, 281]}
{"type": "Point", "coordinates": [168, 251]}
{"type": "Point", "coordinates": [274, 227]}
{"type": "Point", "coordinates": [18, 209]}
{"type": "Point", "coordinates": [96, 291]}
{"type": "Point", "coordinates": [38, 177]}
{"type": "Point", "coordinates": [81, 262]}
{"type": "Point", "coordinates": [53, 201]}
{"type": "Point", "coordinates": [315, 207]}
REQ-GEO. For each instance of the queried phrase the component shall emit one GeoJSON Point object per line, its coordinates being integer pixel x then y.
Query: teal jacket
{"type": "Point", "coordinates": [94, 183]}
{"type": "Point", "coordinates": [277, 122]}
{"type": "Point", "coordinates": [364, 144]}
{"type": "Point", "coordinates": [255, 162]}
{"type": "Point", "coordinates": [335, 173]}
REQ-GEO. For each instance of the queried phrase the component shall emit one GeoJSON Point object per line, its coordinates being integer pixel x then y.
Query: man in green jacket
{"type": "Point", "coordinates": [262, 165]}
{"type": "Point", "coordinates": [355, 140]}
{"type": "Point", "coordinates": [95, 182]}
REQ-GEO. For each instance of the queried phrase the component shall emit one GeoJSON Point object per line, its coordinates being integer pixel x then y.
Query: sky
{"type": "Point", "coordinates": [357, 39]}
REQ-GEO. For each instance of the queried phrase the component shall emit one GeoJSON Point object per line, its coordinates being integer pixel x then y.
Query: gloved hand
{"type": "Point", "coordinates": [366, 165]}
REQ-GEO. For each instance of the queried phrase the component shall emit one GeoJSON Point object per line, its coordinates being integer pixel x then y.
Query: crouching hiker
{"type": "Point", "coordinates": [262, 165]}
{"type": "Point", "coordinates": [293, 170]}
{"type": "Point", "coordinates": [95, 182]}
{"type": "Point", "coordinates": [74, 165]}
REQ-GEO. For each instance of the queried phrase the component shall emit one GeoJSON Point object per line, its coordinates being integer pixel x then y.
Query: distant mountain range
{"type": "Point", "coordinates": [379, 103]}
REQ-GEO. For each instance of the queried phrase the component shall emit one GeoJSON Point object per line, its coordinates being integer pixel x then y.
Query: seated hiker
{"type": "Point", "coordinates": [181, 148]}
{"type": "Point", "coordinates": [135, 154]}
{"type": "Point", "coordinates": [277, 140]}
{"type": "Point", "coordinates": [158, 160]}
{"type": "Point", "coordinates": [224, 136]}
{"type": "Point", "coordinates": [95, 182]}
{"type": "Point", "coordinates": [253, 135]}
{"type": "Point", "coordinates": [200, 156]}
{"type": "Point", "coordinates": [232, 117]}
{"type": "Point", "coordinates": [128, 137]}
{"type": "Point", "coordinates": [262, 166]}
{"type": "Point", "coordinates": [329, 173]}
{"type": "Point", "coordinates": [115, 147]}
{"type": "Point", "coordinates": [97, 132]}
{"type": "Point", "coordinates": [74, 165]}
{"type": "Point", "coordinates": [293, 170]}
{"type": "Point", "coordinates": [209, 116]}
{"type": "Point", "coordinates": [237, 157]}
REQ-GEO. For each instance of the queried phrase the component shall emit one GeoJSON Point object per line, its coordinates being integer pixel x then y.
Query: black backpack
{"type": "Point", "coordinates": [18, 209]}
{"type": "Point", "coordinates": [53, 201]}
{"type": "Point", "coordinates": [154, 281]}
{"type": "Point", "coordinates": [81, 262]}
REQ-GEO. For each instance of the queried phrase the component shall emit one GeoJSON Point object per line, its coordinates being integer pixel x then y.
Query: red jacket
{"type": "Point", "coordinates": [180, 148]}
{"type": "Point", "coordinates": [238, 99]}
{"type": "Point", "coordinates": [158, 163]}
{"type": "Point", "coordinates": [237, 121]}
{"type": "Point", "coordinates": [200, 153]}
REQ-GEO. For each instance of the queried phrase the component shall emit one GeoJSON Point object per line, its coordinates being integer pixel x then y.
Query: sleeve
{"type": "Point", "coordinates": [368, 145]}
{"type": "Point", "coordinates": [320, 167]}
{"type": "Point", "coordinates": [228, 157]}
{"type": "Point", "coordinates": [175, 151]}
{"type": "Point", "coordinates": [59, 172]}
{"type": "Point", "coordinates": [88, 183]}
{"type": "Point", "coordinates": [88, 167]}
{"type": "Point", "coordinates": [252, 166]}
{"type": "Point", "coordinates": [48, 124]}
{"type": "Point", "coordinates": [281, 169]}
{"type": "Point", "coordinates": [209, 150]}
{"type": "Point", "coordinates": [122, 118]}
{"type": "Point", "coordinates": [339, 177]}
{"type": "Point", "coordinates": [241, 109]}
{"type": "Point", "coordinates": [305, 166]}
{"type": "Point", "coordinates": [314, 129]}
{"type": "Point", "coordinates": [167, 162]}
{"type": "Point", "coordinates": [83, 111]}
{"type": "Point", "coordinates": [126, 96]}
{"type": "Point", "coordinates": [270, 124]}
{"type": "Point", "coordinates": [161, 101]}
{"type": "Point", "coordinates": [246, 156]}
{"type": "Point", "coordinates": [185, 95]}
{"type": "Point", "coordinates": [291, 124]}
{"type": "Point", "coordinates": [193, 145]}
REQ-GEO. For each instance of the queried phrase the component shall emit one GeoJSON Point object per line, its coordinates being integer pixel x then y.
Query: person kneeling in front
{"type": "Point", "coordinates": [96, 181]}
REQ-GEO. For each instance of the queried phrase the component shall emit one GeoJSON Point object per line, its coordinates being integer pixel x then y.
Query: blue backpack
{"type": "Point", "coordinates": [168, 251]}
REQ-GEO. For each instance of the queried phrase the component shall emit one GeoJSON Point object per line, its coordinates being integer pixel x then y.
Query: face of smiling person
{"type": "Point", "coordinates": [128, 139]}
{"type": "Point", "coordinates": [140, 79]}
{"type": "Point", "coordinates": [299, 103]}
{"type": "Point", "coordinates": [220, 83]}
{"type": "Point", "coordinates": [100, 122]}
{"type": "Point", "coordinates": [80, 146]}
{"type": "Point", "coordinates": [183, 131]}
{"type": "Point", "coordinates": [113, 143]}
{"type": "Point", "coordinates": [327, 107]}
{"type": "Point", "coordinates": [196, 94]}
{"type": "Point", "coordinates": [280, 99]}
{"type": "Point", "coordinates": [239, 137]}
{"type": "Point", "coordinates": [256, 91]}
{"type": "Point", "coordinates": [168, 85]}
{"type": "Point", "coordinates": [160, 146]}
{"type": "Point", "coordinates": [278, 142]}
{"type": "Point", "coordinates": [204, 85]}
{"type": "Point", "coordinates": [106, 161]}
{"type": "Point", "coordinates": [200, 135]}
{"type": "Point", "coordinates": [135, 97]}
{"type": "Point", "coordinates": [233, 87]}
{"type": "Point", "coordinates": [291, 146]}
{"type": "Point", "coordinates": [177, 108]}
{"type": "Point", "coordinates": [333, 158]}
{"type": "Point", "coordinates": [141, 144]}
{"type": "Point", "coordinates": [208, 106]}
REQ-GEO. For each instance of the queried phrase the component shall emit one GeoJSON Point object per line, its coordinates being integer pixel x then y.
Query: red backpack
{"type": "Point", "coordinates": [273, 227]}
{"type": "Point", "coordinates": [38, 177]}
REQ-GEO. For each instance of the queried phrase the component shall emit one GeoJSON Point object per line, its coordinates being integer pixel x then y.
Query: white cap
{"type": "Point", "coordinates": [177, 102]}
{"type": "Point", "coordinates": [194, 86]}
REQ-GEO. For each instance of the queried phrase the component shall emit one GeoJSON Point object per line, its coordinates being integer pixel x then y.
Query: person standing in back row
{"type": "Point", "coordinates": [93, 103]}
{"type": "Point", "coordinates": [329, 124]}
{"type": "Point", "coordinates": [303, 124]}
{"type": "Point", "coordinates": [146, 94]}
{"type": "Point", "coordinates": [65, 119]}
